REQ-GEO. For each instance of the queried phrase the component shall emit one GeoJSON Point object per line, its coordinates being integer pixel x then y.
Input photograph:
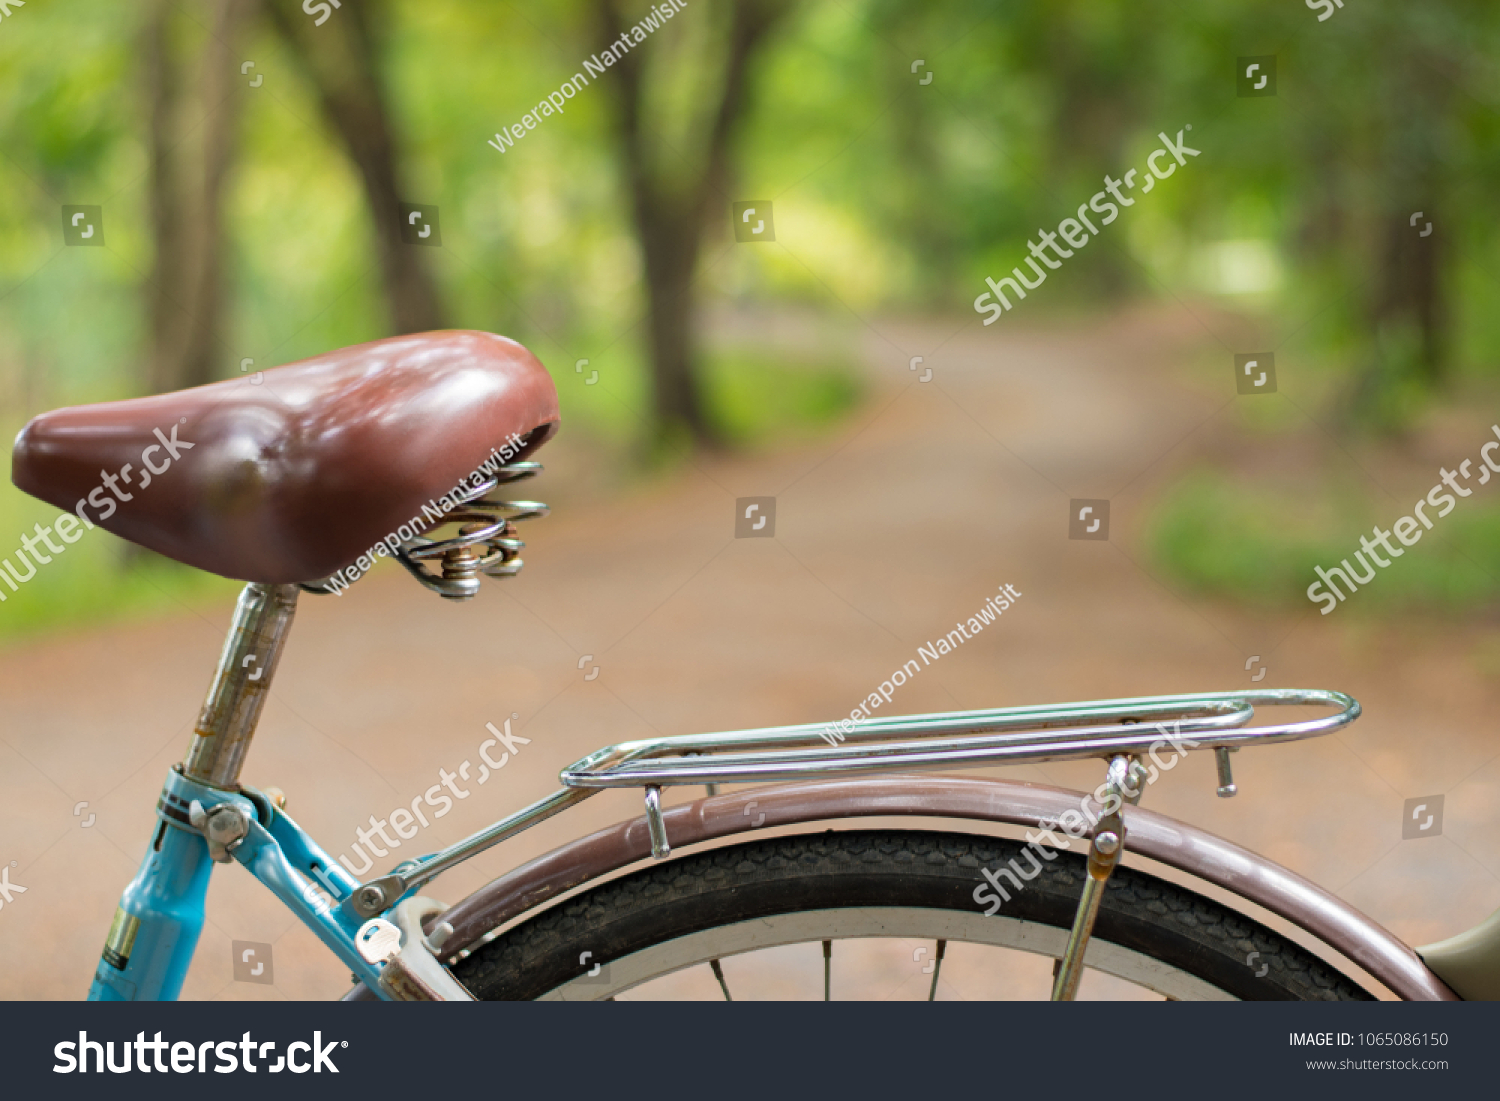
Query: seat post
{"type": "Point", "coordinates": [262, 619]}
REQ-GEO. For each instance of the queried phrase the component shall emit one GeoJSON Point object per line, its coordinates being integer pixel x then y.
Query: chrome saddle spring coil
{"type": "Point", "coordinates": [486, 543]}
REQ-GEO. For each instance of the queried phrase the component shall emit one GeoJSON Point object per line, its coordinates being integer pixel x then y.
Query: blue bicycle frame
{"type": "Point", "coordinates": [205, 814]}
{"type": "Point", "coordinates": [160, 916]}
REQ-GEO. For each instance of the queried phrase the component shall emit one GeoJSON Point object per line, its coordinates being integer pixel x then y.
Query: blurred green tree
{"type": "Point", "coordinates": [676, 158]}
{"type": "Point", "coordinates": [191, 124]}
{"type": "Point", "coordinates": [340, 58]}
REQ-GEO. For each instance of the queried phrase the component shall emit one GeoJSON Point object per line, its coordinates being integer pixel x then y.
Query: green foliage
{"type": "Point", "coordinates": [890, 195]}
{"type": "Point", "coordinates": [1230, 538]}
{"type": "Point", "coordinates": [756, 401]}
{"type": "Point", "coordinates": [754, 398]}
{"type": "Point", "coordinates": [90, 583]}
{"type": "Point", "coordinates": [888, 192]}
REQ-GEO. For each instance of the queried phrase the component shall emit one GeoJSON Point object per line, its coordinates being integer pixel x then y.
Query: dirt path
{"type": "Point", "coordinates": [927, 501]}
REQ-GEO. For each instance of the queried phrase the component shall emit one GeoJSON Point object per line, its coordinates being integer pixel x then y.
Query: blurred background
{"type": "Point", "coordinates": [250, 158]}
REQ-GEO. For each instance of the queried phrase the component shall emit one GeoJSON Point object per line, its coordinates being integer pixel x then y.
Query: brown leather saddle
{"type": "Point", "coordinates": [292, 475]}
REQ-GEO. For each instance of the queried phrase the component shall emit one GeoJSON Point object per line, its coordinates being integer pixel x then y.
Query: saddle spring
{"type": "Point", "coordinates": [486, 542]}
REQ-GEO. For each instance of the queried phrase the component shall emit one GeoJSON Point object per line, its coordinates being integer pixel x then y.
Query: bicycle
{"type": "Point", "coordinates": [380, 436]}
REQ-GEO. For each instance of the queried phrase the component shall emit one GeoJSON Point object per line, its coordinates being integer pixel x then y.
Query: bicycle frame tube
{"type": "Point", "coordinates": [274, 855]}
{"type": "Point", "coordinates": [161, 914]}
{"type": "Point", "coordinates": [156, 926]}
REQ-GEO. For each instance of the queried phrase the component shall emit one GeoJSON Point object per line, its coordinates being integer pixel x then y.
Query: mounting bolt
{"type": "Point", "coordinates": [1227, 786]}
{"type": "Point", "coordinates": [1108, 842]}
{"type": "Point", "coordinates": [655, 824]}
{"type": "Point", "coordinates": [370, 898]}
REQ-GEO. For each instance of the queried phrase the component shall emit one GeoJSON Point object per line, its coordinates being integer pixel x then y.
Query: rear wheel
{"type": "Point", "coordinates": [722, 910]}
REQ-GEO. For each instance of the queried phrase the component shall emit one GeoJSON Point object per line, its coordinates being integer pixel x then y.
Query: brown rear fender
{"type": "Point", "coordinates": [1154, 836]}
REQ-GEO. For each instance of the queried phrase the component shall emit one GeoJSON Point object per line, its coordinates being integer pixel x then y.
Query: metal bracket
{"type": "Point", "coordinates": [377, 896]}
{"type": "Point", "coordinates": [711, 788]}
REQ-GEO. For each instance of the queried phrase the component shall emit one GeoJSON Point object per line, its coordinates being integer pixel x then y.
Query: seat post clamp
{"type": "Point", "coordinates": [223, 825]}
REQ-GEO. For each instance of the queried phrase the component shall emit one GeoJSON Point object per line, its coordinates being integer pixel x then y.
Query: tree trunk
{"type": "Point", "coordinates": [1406, 305]}
{"type": "Point", "coordinates": [186, 289]}
{"type": "Point", "coordinates": [671, 208]}
{"type": "Point", "coordinates": [339, 59]}
{"type": "Point", "coordinates": [670, 263]}
{"type": "Point", "coordinates": [167, 313]}
{"type": "Point", "coordinates": [1409, 290]}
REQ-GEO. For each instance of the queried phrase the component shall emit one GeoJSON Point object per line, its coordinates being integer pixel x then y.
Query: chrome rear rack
{"type": "Point", "coordinates": [967, 739]}
{"type": "Point", "coordinates": [1123, 730]}
{"type": "Point", "coordinates": [1126, 733]}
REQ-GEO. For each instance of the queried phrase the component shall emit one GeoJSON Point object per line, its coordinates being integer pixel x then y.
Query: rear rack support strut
{"type": "Point", "coordinates": [1124, 783]}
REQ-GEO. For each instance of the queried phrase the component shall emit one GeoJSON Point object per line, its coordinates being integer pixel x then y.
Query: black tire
{"type": "Point", "coordinates": [890, 868]}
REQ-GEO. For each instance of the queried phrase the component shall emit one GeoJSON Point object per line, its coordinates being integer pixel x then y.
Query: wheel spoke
{"type": "Point", "coordinates": [719, 974]}
{"type": "Point", "coordinates": [828, 970]}
{"type": "Point", "coordinates": [937, 968]}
